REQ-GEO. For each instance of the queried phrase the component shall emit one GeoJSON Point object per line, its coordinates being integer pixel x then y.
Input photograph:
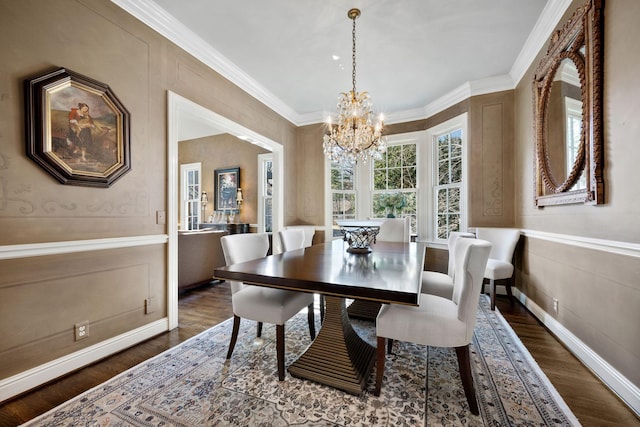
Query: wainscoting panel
{"type": "Point", "coordinates": [595, 283]}
{"type": "Point", "coordinates": [491, 170]}
{"type": "Point", "coordinates": [43, 297]}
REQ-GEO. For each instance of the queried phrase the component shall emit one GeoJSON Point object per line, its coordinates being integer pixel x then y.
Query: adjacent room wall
{"type": "Point", "coordinates": [222, 152]}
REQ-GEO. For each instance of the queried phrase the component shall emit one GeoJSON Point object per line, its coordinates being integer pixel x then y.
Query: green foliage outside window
{"type": "Point", "coordinates": [395, 177]}
{"type": "Point", "coordinates": [342, 177]}
{"type": "Point", "coordinates": [396, 169]}
{"type": "Point", "coordinates": [388, 204]}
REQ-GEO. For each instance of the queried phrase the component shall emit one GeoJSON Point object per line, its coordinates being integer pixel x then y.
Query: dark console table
{"type": "Point", "coordinates": [233, 228]}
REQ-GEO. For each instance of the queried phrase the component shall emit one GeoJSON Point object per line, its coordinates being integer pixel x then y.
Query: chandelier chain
{"type": "Point", "coordinates": [353, 55]}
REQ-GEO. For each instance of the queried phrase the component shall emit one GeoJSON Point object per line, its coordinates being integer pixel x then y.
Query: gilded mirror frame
{"type": "Point", "coordinates": [580, 40]}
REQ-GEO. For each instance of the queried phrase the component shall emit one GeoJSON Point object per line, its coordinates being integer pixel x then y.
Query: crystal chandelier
{"type": "Point", "coordinates": [354, 138]}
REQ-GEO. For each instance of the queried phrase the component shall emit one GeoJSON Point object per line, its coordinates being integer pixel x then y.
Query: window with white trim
{"type": "Point", "coordinates": [343, 194]}
{"type": "Point", "coordinates": [190, 195]}
{"type": "Point", "coordinates": [265, 190]}
{"type": "Point", "coordinates": [394, 177]}
{"type": "Point", "coordinates": [448, 186]}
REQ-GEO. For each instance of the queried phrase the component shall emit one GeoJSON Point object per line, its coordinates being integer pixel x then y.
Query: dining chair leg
{"type": "Point", "coordinates": [389, 346]}
{"type": "Point", "coordinates": [509, 292]}
{"type": "Point", "coordinates": [379, 365]}
{"type": "Point", "coordinates": [321, 308]}
{"type": "Point", "coordinates": [464, 365]}
{"type": "Point", "coordinates": [312, 321]}
{"type": "Point", "coordinates": [280, 350]}
{"type": "Point", "coordinates": [234, 335]}
{"type": "Point", "coordinates": [259, 330]}
{"type": "Point", "coordinates": [492, 286]}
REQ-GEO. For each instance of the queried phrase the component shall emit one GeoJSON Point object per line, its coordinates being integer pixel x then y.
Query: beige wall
{"type": "Point", "coordinates": [309, 164]}
{"type": "Point", "coordinates": [42, 297]}
{"type": "Point", "coordinates": [222, 152]}
{"type": "Point", "coordinates": [491, 161]}
{"type": "Point", "coordinates": [598, 287]}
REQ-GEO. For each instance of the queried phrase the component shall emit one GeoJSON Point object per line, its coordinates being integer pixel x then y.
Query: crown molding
{"type": "Point", "coordinates": [159, 20]}
{"type": "Point", "coordinates": [547, 21]}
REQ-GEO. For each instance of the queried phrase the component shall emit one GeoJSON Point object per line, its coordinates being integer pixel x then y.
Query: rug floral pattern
{"type": "Point", "coordinates": [194, 385]}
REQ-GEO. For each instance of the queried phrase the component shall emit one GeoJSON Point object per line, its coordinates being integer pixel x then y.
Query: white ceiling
{"type": "Point", "coordinates": [413, 56]}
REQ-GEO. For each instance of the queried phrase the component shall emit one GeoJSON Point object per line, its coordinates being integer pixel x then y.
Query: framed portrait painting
{"type": "Point", "coordinates": [226, 182]}
{"type": "Point", "coordinates": [76, 128]}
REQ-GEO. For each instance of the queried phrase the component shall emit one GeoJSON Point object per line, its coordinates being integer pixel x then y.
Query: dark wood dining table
{"type": "Point", "coordinates": [390, 273]}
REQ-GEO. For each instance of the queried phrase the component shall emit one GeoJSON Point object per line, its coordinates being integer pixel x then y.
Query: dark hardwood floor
{"type": "Point", "coordinates": [201, 308]}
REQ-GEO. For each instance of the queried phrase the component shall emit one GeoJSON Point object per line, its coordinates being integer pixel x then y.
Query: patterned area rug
{"type": "Point", "coordinates": [193, 385]}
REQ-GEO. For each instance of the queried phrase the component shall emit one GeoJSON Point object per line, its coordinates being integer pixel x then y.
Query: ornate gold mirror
{"type": "Point", "coordinates": [567, 94]}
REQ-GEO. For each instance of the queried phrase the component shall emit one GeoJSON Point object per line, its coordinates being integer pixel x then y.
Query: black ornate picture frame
{"type": "Point", "coordinates": [226, 183]}
{"type": "Point", "coordinates": [76, 128]}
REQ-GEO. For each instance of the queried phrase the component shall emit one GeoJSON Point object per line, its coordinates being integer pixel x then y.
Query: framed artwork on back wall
{"type": "Point", "coordinates": [226, 183]}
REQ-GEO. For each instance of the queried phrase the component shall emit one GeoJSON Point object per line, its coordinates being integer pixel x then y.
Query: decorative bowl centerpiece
{"type": "Point", "coordinates": [359, 235]}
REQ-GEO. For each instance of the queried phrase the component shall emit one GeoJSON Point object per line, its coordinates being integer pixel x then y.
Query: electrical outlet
{"type": "Point", "coordinates": [148, 306]}
{"type": "Point", "coordinates": [555, 305]}
{"type": "Point", "coordinates": [81, 330]}
{"type": "Point", "coordinates": [161, 217]}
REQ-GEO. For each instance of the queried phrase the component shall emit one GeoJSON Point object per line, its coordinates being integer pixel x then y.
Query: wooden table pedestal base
{"type": "Point", "coordinates": [338, 357]}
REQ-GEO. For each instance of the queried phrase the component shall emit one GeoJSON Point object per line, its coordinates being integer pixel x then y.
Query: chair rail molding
{"type": "Point", "coordinates": [611, 246]}
{"type": "Point", "coordinates": [67, 247]}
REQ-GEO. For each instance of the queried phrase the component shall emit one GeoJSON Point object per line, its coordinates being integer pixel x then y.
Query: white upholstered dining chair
{"type": "Point", "coordinates": [395, 230]}
{"type": "Point", "coordinates": [500, 263]}
{"type": "Point", "coordinates": [292, 238]}
{"type": "Point", "coordinates": [438, 321]}
{"type": "Point", "coordinates": [441, 284]}
{"type": "Point", "coordinates": [309, 232]}
{"type": "Point", "coordinates": [259, 303]}
{"type": "Point", "coordinates": [295, 238]}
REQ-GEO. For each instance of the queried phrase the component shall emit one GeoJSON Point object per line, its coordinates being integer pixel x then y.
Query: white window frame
{"type": "Point", "coordinates": [416, 138]}
{"type": "Point", "coordinates": [431, 180]}
{"type": "Point", "coordinates": [185, 170]}
{"type": "Point", "coordinates": [262, 191]}
{"type": "Point", "coordinates": [329, 198]}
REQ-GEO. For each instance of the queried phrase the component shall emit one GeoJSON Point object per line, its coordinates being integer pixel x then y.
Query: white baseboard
{"type": "Point", "coordinates": [619, 384]}
{"type": "Point", "coordinates": [24, 381]}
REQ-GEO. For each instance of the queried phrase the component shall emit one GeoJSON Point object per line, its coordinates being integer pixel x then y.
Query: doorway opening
{"type": "Point", "coordinates": [189, 120]}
